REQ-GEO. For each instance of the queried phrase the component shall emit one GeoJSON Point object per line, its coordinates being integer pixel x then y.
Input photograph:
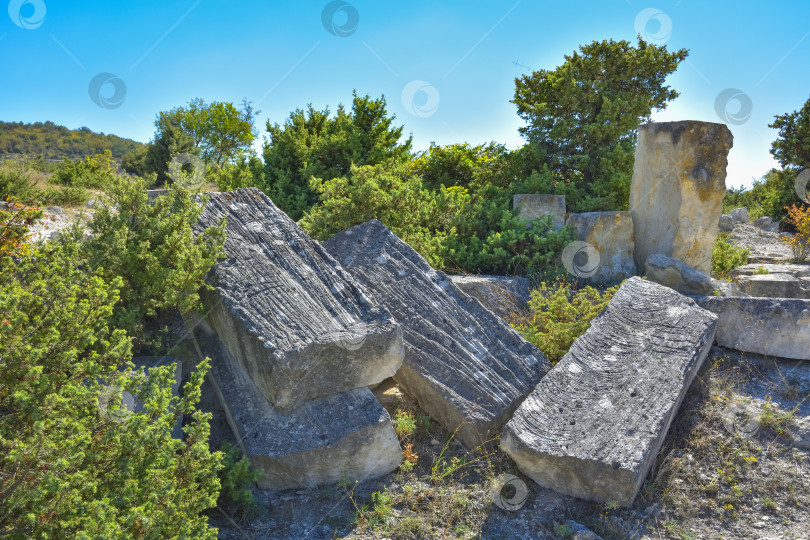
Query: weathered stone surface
{"type": "Point", "coordinates": [349, 434]}
{"type": "Point", "coordinates": [677, 275]}
{"type": "Point", "coordinates": [300, 326]}
{"type": "Point", "coordinates": [677, 190]}
{"type": "Point", "coordinates": [763, 221]}
{"type": "Point", "coordinates": [740, 215]}
{"type": "Point", "coordinates": [611, 234]}
{"type": "Point", "coordinates": [593, 426]}
{"type": "Point", "coordinates": [796, 270]}
{"type": "Point", "coordinates": [724, 288]}
{"type": "Point", "coordinates": [772, 286]}
{"type": "Point", "coordinates": [769, 326]}
{"type": "Point", "coordinates": [726, 223]}
{"type": "Point", "coordinates": [503, 296]}
{"type": "Point", "coordinates": [764, 246]}
{"type": "Point", "coordinates": [464, 365]}
{"type": "Point", "coordinates": [531, 206]}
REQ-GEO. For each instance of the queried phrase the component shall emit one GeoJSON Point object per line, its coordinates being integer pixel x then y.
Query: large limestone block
{"type": "Point", "coordinates": [299, 326]}
{"type": "Point", "coordinates": [464, 365]}
{"type": "Point", "coordinates": [611, 234]}
{"type": "Point", "coordinates": [593, 426]}
{"type": "Point", "coordinates": [772, 286]}
{"type": "Point", "coordinates": [769, 326]}
{"type": "Point", "coordinates": [677, 275]}
{"type": "Point", "coordinates": [346, 435]}
{"type": "Point", "coordinates": [800, 270]}
{"type": "Point", "coordinates": [504, 296]}
{"type": "Point", "coordinates": [677, 190]}
{"type": "Point", "coordinates": [531, 206]}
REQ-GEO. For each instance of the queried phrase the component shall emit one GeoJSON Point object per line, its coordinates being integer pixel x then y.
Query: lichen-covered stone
{"type": "Point", "coordinates": [504, 296]}
{"type": "Point", "coordinates": [594, 424]}
{"type": "Point", "coordinates": [611, 234]}
{"type": "Point", "coordinates": [531, 206]}
{"type": "Point", "coordinates": [677, 190]}
{"type": "Point", "coordinates": [466, 367]}
{"type": "Point", "coordinates": [299, 326]}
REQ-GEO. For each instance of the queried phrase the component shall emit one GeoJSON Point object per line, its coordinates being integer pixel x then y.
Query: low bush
{"type": "Point", "coordinates": [726, 256]}
{"type": "Point", "coordinates": [236, 478]}
{"type": "Point", "coordinates": [94, 172]}
{"type": "Point", "coordinates": [15, 222]}
{"type": "Point", "coordinates": [799, 243]}
{"type": "Point", "coordinates": [560, 314]}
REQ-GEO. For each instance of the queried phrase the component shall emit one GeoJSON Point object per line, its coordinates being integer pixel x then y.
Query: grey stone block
{"type": "Point", "coordinates": [503, 296]}
{"type": "Point", "coordinates": [772, 286]}
{"type": "Point", "coordinates": [346, 435]}
{"type": "Point", "coordinates": [299, 326]}
{"type": "Point", "coordinates": [531, 206]}
{"type": "Point", "coordinates": [464, 365]}
{"type": "Point", "coordinates": [769, 326]}
{"type": "Point", "coordinates": [611, 235]}
{"type": "Point", "coordinates": [593, 426]}
{"type": "Point", "coordinates": [677, 275]}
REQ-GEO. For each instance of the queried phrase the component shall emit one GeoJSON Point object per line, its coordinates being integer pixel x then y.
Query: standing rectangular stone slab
{"type": "Point", "coordinates": [348, 435]}
{"type": "Point", "coordinates": [611, 235]}
{"type": "Point", "coordinates": [300, 326]}
{"type": "Point", "coordinates": [593, 426]}
{"type": "Point", "coordinates": [676, 195]}
{"type": "Point", "coordinates": [531, 206]}
{"type": "Point", "coordinates": [464, 365]}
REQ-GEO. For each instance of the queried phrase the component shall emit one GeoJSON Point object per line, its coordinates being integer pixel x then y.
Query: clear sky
{"type": "Point", "coordinates": [446, 68]}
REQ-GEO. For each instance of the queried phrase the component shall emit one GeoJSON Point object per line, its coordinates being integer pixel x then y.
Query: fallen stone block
{"type": "Point", "coordinates": [677, 275]}
{"type": "Point", "coordinates": [594, 424]}
{"type": "Point", "coordinates": [503, 296]}
{"type": "Point", "coordinates": [466, 367]}
{"type": "Point", "coordinates": [611, 234]}
{"type": "Point", "coordinates": [726, 223]}
{"type": "Point", "coordinates": [800, 270]}
{"type": "Point", "coordinates": [531, 206]}
{"type": "Point", "coordinates": [772, 286]}
{"type": "Point", "coordinates": [677, 191]}
{"type": "Point", "coordinates": [299, 326]}
{"type": "Point", "coordinates": [769, 326]}
{"type": "Point", "coordinates": [740, 215]}
{"type": "Point", "coordinates": [724, 288]}
{"type": "Point", "coordinates": [348, 435]}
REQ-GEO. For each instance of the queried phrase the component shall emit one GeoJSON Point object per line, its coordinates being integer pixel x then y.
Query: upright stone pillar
{"type": "Point", "coordinates": [677, 191]}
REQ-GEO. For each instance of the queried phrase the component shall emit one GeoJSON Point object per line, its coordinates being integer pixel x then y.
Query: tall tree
{"type": "Point", "coordinates": [314, 144]}
{"type": "Point", "coordinates": [583, 117]}
{"type": "Point", "coordinates": [792, 146]}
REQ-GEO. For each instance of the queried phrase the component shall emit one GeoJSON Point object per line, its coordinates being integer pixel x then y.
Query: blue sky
{"type": "Point", "coordinates": [446, 68]}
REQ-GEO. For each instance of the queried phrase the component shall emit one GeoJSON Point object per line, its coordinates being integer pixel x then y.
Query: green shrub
{"type": "Point", "coordinates": [17, 184]}
{"type": "Point", "coordinates": [70, 468]}
{"type": "Point", "coordinates": [152, 248]}
{"type": "Point", "coordinates": [94, 172]}
{"type": "Point", "coordinates": [15, 222]}
{"type": "Point", "coordinates": [726, 256]}
{"type": "Point", "coordinates": [560, 314]}
{"type": "Point", "coordinates": [236, 478]}
{"type": "Point", "coordinates": [768, 196]}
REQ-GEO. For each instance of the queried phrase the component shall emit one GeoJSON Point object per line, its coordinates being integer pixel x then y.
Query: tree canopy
{"type": "Point", "coordinates": [583, 116]}
{"type": "Point", "coordinates": [792, 146]}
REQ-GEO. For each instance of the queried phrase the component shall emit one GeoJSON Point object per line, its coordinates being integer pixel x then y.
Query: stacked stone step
{"type": "Point", "coordinates": [295, 342]}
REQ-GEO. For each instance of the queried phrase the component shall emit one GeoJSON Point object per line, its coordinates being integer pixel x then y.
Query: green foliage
{"type": "Point", "coordinates": [220, 132]}
{"type": "Point", "coordinates": [236, 478]}
{"type": "Point", "coordinates": [388, 193]}
{"type": "Point", "coordinates": [560, 314]}
{"type": "Point", "coordinates": [50, 141]}
{"type": "Point", "coordinates": [313, 144]}
{"type": "Point", "coordinates": [767, 196]}
{"type": "Point", "coordinates": [462, 165]}
{"type": "Point", "coordinates": [152, 248]}
{"type": "Point", "coordinates": [792, 145]}
{"type": "Point", "coordinates": [726, 256]}
{"type": "Point", "coordinates": [94, 172]}
{"type": "Point", "coordinates": [246, 173]}
{"type": "Point", "coordinates": [68, 467]}
{"type": "Point", "coordinates": [170, 141]}
{"type": "Point", "coordinates": [17, 184]}
{"type": "Point", "coordinates": [583, 117]}
{"type": "Point", "coordinates": [404, 424]}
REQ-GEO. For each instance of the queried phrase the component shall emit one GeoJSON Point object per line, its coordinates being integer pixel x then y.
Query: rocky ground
{"type": "Point", "coordinates": [764, 246]}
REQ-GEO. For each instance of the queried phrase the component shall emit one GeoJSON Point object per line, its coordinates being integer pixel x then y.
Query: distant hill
{"type": "Point", "coordinates": [56, 142]}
